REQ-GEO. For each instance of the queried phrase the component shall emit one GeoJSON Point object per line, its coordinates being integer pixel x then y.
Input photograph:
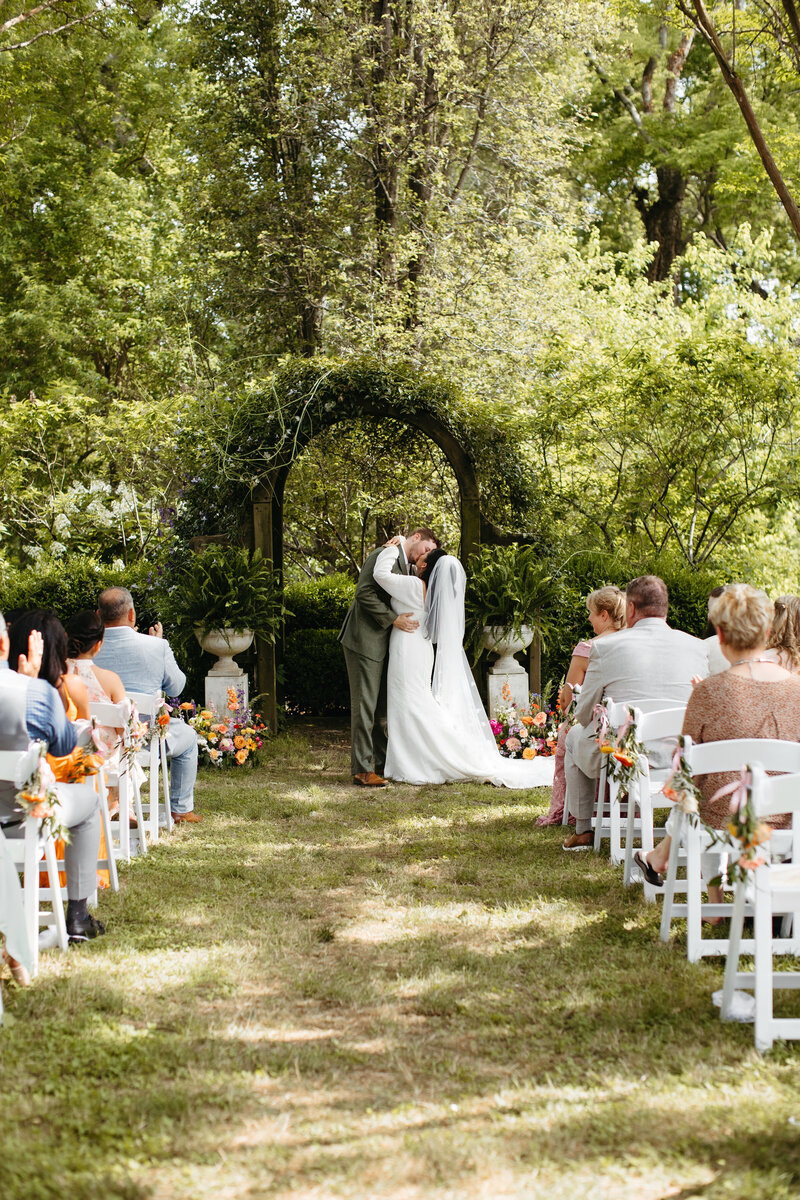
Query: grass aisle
{"type": "Point", "coordinates": [411, 993]}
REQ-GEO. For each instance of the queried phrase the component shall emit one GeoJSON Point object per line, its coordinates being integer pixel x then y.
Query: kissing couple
{"type": "Point", "coordinates": [415, 712]}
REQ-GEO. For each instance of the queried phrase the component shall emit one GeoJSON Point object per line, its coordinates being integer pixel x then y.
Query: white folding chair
{"type": "Point", "coordinates": [776, 891]}
{"type": "Point", "coordinates": [607, 820]}
{"type": "Point", "coordinates": [665, 725]}
{"type": "Point", "coordinates": [116, 716]}
{"type": "Point", "coordinates": [690, 841]}
{"type": "Point", "coordinates": [37, 843]}
{"type": "Point", "coordinates": [154, 761]}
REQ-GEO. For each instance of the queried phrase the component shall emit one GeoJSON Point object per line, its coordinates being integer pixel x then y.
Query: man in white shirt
{"type": "Point", "coordinates": [645, 661]}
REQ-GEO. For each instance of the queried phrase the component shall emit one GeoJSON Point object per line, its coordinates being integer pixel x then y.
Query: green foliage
{"type": "Point", "coordinates": [315, 673]}
{"type": "Point", "coordinates": [229, 587]}
{"type": "Point", "coordinates": [271, 423]}
{"type": "Point", "coordinates": [510, 587]}
{"type": "Point", "coordinates": [319, 603]}
{"type": "Point", "coordinates": [66, 587]}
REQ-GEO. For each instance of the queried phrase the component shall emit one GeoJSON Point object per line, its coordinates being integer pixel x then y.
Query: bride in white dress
{"type": "Point", "coordinates": [438, 729]}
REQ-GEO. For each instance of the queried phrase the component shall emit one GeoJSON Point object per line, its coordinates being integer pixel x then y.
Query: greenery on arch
{"type": "Point", "coordinates": [260, 430]}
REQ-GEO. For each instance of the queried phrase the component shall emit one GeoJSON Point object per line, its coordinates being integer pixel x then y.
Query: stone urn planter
{"type": "Point", "coordinates": [224, 673]}
{"type": "Point", "coordinates": [506, 643]}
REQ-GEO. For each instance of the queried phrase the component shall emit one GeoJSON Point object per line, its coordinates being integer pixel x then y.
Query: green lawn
{"type": "Point", "coordinates": [410, 993]}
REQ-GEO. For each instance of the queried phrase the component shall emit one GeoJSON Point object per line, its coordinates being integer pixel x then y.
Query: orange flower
{"type": "Point", "coordinates": [529, 752]}
{"type": "Point", "coordinates": [241, 755]}
{"type": "Point", "coordinates": [526, 720]}
{"type": "Point", "coordinates": [187, 704]}
{"type": "Point", "coordinates": [213, 755]}
{"type": "Point", "coordinates": [220, 728]}
{"type": "Point", "coordinates": [624, 759]}
{"type": "Point", "coordinates": [238, 742]}
{"type": "Point", "coordinates": [540, 719]}
{"type": "Point", "coordinates": [233, 700]}
{"type": "Point", "coordinates": [163, 720]}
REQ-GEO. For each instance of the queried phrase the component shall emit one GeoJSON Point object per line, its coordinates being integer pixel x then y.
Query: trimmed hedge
{"type": "Point", "coordinates": [319, 603]}
{"type": "Point", "coordinates": [65, 586]}
{"type": "Point", "coordinates": [315, 673]}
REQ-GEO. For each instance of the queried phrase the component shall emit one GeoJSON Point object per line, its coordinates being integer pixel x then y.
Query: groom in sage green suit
{"type": "Point", "coordinates": [365, 642]}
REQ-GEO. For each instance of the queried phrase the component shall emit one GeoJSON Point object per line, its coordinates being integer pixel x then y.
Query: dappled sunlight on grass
{"type": "Point", "coordinates": [322, 993]}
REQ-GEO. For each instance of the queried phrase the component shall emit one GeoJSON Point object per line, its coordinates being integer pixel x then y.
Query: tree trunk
{"type": "Point", "coordinates": [663, 221]}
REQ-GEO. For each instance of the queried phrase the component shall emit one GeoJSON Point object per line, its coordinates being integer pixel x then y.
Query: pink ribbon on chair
{"type": "Point", "coordinates": [600, 717]}
{"type": "Point", "coordinates": [625, 726]}
{"type": "Point", "coordinates": [738, 790]}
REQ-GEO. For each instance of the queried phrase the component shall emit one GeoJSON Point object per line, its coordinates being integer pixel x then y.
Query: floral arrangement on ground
{"type": "Point", "coordinates": [530, 732]}
{"type": "Point", "coordinates": [227, 739]}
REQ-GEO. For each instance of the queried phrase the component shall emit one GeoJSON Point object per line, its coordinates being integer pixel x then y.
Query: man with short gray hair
{"type": "Point", "coordinates": [145, 663]}
{"type": "Point", "coordinates": [645, 661]}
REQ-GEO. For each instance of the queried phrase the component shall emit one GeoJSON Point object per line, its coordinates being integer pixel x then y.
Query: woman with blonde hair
{"type": "Point", "coordinates": [606, 607]}
{"type": "Point", "coordinates": [784, 641]}
{"type": "Point", "coordinates": [755, 698]}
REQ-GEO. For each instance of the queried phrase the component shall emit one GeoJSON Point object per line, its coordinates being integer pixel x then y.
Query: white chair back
{"type": "Point", "coordinates": [703, 759]}
{"type": "Point", "coordinates": [776, 892]}
{"type": "Point", "coordinates": [706, 758]}
{"type": "Point", "coordinates": [27, 853]}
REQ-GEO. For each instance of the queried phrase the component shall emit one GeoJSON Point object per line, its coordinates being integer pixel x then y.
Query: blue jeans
{"type": "Point", "coordinates": [182, 754]}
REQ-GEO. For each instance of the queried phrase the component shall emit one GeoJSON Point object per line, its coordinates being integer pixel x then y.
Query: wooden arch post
{"type": "Point", "coordinates": [268, 518]}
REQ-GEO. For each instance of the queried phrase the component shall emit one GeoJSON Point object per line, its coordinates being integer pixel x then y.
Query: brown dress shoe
{"type": "Point", "coordinates": [579, 841]}
{"type": "Point", "coordinates": [192, 818]}
{"type": "Point", "coordinates": [369, 779]}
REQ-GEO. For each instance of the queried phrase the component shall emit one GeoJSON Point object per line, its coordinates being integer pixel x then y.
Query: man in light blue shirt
{"type": "Point", "coordinates": [145, 663]}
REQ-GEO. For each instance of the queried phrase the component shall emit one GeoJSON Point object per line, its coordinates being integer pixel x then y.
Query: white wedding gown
{"type": "Point", "coordinates": [445, 737]}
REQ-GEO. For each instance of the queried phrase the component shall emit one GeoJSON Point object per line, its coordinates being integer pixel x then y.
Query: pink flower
{"type": "Point", "coordinates": [497, 728]}
{"type": "Point", "coordinates": [513, 743]}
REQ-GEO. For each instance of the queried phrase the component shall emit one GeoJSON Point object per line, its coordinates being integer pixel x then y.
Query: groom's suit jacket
{"type": "Point", "coordinates": [370, 617]}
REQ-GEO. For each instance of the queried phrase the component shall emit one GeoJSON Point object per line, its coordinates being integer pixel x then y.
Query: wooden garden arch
{"type": "Point", "coordinates": [268, 501]}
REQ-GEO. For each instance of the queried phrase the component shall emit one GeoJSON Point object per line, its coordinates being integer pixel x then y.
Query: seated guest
{"type": "Point", "coordinates": [31, 708]}
{"type": "Point", "coordinates": [53, 667]}
{"type": "Point", "coordinates": [646, 661]}
{"type": "Point", "coordinates": [84, 639]}
{"type": "Point", "coordinates": [606, 615]}
{"type": "Point", "coordinates": [784, 641]}
{"type": "Point", "coordinates": [716, 659]}
{"type": "Point", "coordinates": [754, 698]}
{"type": "Point", "coordinates": [145, 663]}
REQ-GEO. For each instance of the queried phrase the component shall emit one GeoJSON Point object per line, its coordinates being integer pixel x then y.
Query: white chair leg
{"type": "Point", "coordinates": [56, 902]}
{"type": "Point", "coordinates": [30, 888]}
{"type": "Point", "coordinates": [615, 823]}
{"type": "Point", "coordinates": [600, 803]}
{"type": "Point", "coordinates": [124, 821]}
{"type": "Point", "coordinates": [109, 862]}
{"type": "Point", "coordinates": [669, 883]}
{"type": "Point", "coordinates": [732, 960]}
{"type": "Point", "coordinates": [165, 782]}
{"type": "Point", "coordinates": [694, 900]}
{"type": "Point", "coordinates": [762, 922]}
{"type": "Point", "coordinates": [635, 797]}
{"type": "Point", "coordinates": [139, 811]}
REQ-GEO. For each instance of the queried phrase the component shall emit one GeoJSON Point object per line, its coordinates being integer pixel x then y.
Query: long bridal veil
{"type": "Point", "coordinates": [453, 685]}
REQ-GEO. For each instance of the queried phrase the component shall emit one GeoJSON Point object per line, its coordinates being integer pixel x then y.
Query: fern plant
{"type": "Point", "coordinates": [228, 587]}
{"type": "Point", "coordinates": [508, 588]}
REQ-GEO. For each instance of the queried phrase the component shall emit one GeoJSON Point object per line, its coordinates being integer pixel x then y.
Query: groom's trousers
{"type": "Point", "coordinates": [367, 712]}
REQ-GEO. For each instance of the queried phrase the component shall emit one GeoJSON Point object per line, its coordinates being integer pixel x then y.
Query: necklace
{"type": "Point", "coordinates": [740, 662]}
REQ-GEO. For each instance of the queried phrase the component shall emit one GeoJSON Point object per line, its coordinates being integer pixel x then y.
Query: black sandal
{"type": "Point", "coordinates": [651, 876]}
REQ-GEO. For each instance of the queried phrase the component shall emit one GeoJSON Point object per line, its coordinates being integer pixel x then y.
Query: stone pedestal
{"type": "Point", "coordinates": [507, 673]}
{"type": "Point", "coordinates": [225, 673]}
{"type": "Point", "coordinates": [217, 689]}
{"type": "Point", "coordinates": [517, 684]}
